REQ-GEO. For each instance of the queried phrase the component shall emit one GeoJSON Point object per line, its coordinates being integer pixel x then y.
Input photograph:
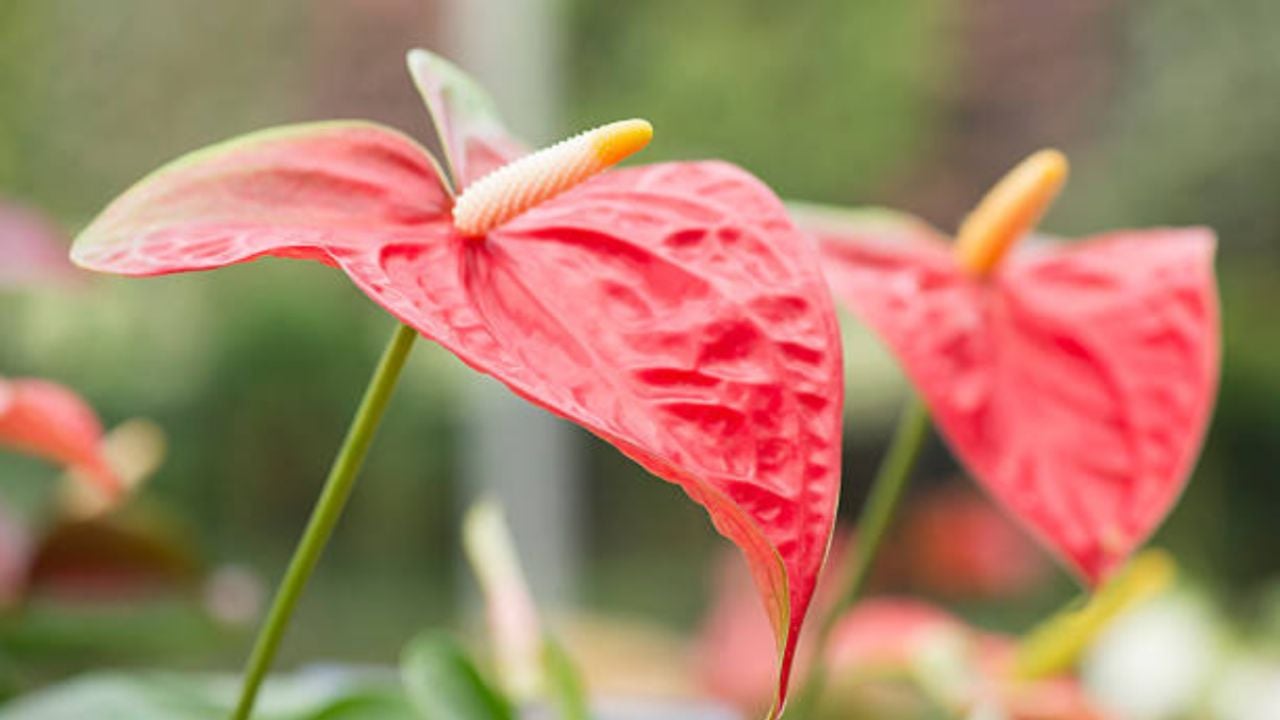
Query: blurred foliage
{"type": "Point", "coordinates": [824, 98]}
{"type": "Point", "coordinates": [1189, 138]}
{"type": "Point", "coordinates": [74, 100]}
{"type": "Point", "coordinates": [317, 694]}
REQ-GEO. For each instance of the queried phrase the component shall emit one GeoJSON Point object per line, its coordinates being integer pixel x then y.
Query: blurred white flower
{"type": "Point", "coordinates": [1248, 689]}
{"type": "Point", "coordinates": [1156, 661]}
{"type": "Point", "coordinates": [234, 595]}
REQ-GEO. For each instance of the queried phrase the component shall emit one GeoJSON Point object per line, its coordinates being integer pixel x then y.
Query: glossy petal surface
{"type": "Point", "coordinates": [51, 422]}
{"type": "Point", "coordinates": [1075, 384]}
{"type": "Point", "coordinates": [673, 310]}
{"type": "Point", "coordinates": [312, 191]}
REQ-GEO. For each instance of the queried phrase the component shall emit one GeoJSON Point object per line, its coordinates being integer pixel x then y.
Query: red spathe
{"type": "Point", "coordinates": [49, 421]}
{"type": "Point", "coordinates": [1075, 383]}
{"type": "Point", "coordinates": [673, 310]}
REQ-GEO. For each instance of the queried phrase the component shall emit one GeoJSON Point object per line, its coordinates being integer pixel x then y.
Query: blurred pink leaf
{"type": "Point", "coordinates": [33, 250]}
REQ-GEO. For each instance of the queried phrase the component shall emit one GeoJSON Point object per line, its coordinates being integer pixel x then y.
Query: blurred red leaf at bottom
{"type": "Point", "coordinates": [882, 643]}
{"type": "Point", "coordinates": [954, 542]}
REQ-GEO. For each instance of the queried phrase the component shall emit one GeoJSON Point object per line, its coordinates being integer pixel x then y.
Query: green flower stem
{"type": "Point", "coordinates": [877, 516]}
{"type": "Point", "coordinates": [337, 488]}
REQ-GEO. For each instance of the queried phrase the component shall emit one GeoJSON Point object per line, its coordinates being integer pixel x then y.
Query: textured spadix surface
{"type": "Point", "coordinates": [673, 310]}
{"type": "Point", "coordinates": [1075, 382]}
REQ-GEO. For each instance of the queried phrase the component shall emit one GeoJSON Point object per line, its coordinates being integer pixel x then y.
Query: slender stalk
{"type": "Point", "coordinates": [328, 508]}
{"type": "Point", "coordinates": [877, 516]}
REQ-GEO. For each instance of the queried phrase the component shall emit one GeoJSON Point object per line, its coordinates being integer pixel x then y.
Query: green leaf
{"type": "Point", "coordinates": [329, 694]}
{"type": "Point", "coordinates": [374, 706]}
{"type": "Point", "coordinates": [564, 684]}
{"type": "Point", "coordinates": [118, 697]}
{"type": "Point", "coordinates": [443, 684]}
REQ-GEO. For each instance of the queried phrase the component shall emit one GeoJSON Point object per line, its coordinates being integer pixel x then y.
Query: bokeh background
{"type": "Point", "coordinates": [1167, 108]}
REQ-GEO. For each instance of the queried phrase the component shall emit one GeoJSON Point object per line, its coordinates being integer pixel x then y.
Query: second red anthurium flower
{"type": "Point", "coordinates": [671, 309]}
{"type": "Point", "coordinates": [49, 421]}
{"type": "Point", "coordinates": [1074, 382]}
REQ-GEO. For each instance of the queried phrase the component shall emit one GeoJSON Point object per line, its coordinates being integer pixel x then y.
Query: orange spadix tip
{"type": "Point", "coordinates": [520, 185]}
{"type": "Point", "coordinates": [1010, 210]}
{"type": "Point", "coordinates": [617, 141]}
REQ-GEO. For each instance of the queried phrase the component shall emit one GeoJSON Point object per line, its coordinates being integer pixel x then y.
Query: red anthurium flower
{"type": "Point", "coordinates": [51, 422]}
{"type": "Point", "coordinates": [1074, 382]}
{"type": "Point", "coordinates": [32, 247]}
{"type": "Point", "coordinates": [672, 309]}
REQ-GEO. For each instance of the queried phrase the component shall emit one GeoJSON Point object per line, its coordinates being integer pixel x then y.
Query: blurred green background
{"type": "Point", "coordinates": [1167, 107]}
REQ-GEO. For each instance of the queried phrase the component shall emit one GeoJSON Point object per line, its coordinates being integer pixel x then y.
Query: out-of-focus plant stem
{"type": "Point", "coordinates": [324, 517]}
{"type": "Point", "coordinates": [874, 522]}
